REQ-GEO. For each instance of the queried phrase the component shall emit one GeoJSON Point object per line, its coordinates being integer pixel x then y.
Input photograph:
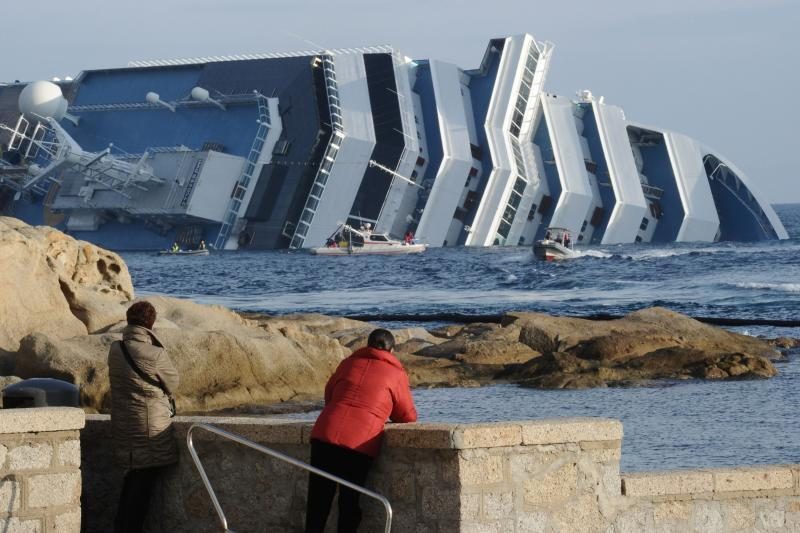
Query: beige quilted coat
{"type": "Point", "coordinates": [140, 419]}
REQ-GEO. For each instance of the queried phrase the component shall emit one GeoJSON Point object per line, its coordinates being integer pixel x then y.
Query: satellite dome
{"type": "Point", "coordinates": [43, 98]}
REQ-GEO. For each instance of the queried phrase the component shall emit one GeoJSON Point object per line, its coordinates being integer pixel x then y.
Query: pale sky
{"type": "Point", "coordinates": [722, 71]}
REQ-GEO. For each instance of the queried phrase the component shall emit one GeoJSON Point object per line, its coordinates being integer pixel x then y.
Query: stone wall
{"type": "Point", "coordinates": [534, 476]}
{"type": "Point", "coordinates": [40, 477]}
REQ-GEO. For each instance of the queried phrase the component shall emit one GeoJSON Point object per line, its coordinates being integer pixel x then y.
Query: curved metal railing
{"type": "Point", "coordinates": [277, 455]}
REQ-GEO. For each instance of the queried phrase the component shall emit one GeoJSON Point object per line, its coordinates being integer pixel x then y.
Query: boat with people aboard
{"type": "Point", "coordinates": [176, 250]}
{"type": "Point", "coordinates": [347, 240]}
{"type": "Point", "coordinates": [184, 252]}
{"type": "Point", "coordinates": [556, 245]}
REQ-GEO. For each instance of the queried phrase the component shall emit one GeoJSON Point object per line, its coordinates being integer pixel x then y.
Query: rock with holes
{"type": "Point", "coordinates": [56, 285]}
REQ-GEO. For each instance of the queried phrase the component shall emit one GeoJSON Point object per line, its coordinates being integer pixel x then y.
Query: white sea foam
{"type": "Point", "coordinates": [594, 253]}
{"type": "Point", "coordinates": [780, 287]}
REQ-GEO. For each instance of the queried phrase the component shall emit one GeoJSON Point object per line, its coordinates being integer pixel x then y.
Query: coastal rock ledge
{"type": "Point", "coordinates": [64, 303]}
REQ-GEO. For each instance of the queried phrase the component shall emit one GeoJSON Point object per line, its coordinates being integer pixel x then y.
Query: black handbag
{"type": "Point", "coordinates": [148, 379]}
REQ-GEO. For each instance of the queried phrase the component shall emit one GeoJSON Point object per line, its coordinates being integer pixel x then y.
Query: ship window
{"type": "Point", "coordinates": [643, 225]}
{"type": "Point", "coordinates": [477, 153]}
{"type": "Point", "coordinates": [519, 185]}
{"type": "Point", "coordinates": [532, 212]}
{"type": "Point", "coordinates": [545, 204]}
{"type": "Point", "coordinates": [638, 239]}
{"type": "Point", "coordinates": [597, 216]}
{"type": "Point", "coordinates": [504, 229]}
{"type": "Point", "coordinates": [379, 238]}
{"type": "Point", "coordinates": [281, 148]}
{"type": "Point", "coordinates": [470, 200]}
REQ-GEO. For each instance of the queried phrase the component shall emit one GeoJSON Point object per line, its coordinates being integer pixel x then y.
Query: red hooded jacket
{"type": "Point", "coordinates": [367, 388]}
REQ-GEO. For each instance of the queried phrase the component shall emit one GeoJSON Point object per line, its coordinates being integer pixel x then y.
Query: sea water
{"type": "Point", "coordinates": [668, 425]}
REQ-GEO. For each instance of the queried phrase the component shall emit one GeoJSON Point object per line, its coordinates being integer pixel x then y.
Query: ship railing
{"type": "Point", "coordinates": [652, 192]}
{"type": "Point", "coordinates": [276, 455]}
{"type": "Point", "coordinates": [298, 237]}
{"type": "Point", "coordinates": [243, 183]}
{"type": "Point", "coordinates": [227, 99]}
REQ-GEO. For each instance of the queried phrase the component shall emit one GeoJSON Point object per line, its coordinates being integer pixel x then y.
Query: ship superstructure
{"type": "Point", "coordinates": [275, 150]}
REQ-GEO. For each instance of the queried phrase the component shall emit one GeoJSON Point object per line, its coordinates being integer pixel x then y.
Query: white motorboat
{"type": "Point", "coordinates": [555, 246]}
{"type": "Point", "coordinates": [347, 240]}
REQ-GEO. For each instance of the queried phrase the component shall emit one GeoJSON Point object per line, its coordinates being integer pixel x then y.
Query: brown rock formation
{"type": "Point", "coordinates": [223, 359]}
{"type": "Point", "coordinates": [55, 285]}
{"type": "Point", "coordinates": [652, 343]}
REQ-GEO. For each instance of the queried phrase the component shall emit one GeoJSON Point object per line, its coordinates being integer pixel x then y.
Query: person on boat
{"type": "Point", "coordinates": [142, 379]}
{"type": "Point", "coordinates": [367, 388]}
{"type": "Point", "coordinates": [566, 239]}
{"type": "Point", "coordinates": [202, 245]}
{"type": "Point", "coordinates": [409, 238]}
{"type": "Point", "coordinates": [175, 248]}
{"type": "Point", "coordinates": [547, 235]}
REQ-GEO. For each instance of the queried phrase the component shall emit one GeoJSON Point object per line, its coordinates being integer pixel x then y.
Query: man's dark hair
{"type": "Point", "coordinates": [141, 314]}
{"type": "Point", "coordinates": [382, 339]}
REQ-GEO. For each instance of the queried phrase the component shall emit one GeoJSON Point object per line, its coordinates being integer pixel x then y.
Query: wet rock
{"type": "Point", "coordinates": [484, 344]}
{"type": "Point", "coordinates": [784, 343]}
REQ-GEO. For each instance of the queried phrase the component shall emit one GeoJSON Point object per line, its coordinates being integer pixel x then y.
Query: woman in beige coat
{"type": "Point", "coordinates": [142, 382]}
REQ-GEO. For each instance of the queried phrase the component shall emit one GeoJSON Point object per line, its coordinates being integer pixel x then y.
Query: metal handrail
{"type": "Point", "coordinates": [277, 455]}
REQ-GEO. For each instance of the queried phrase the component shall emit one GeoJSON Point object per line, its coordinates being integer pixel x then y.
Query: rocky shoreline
{"type": "Point", "coordinates": [64, 304]}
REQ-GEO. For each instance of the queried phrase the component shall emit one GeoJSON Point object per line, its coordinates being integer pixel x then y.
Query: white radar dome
{"type": "Point", "coordinates": [200, 94]}
{"type": "Point", "coordinates": [43, 98]}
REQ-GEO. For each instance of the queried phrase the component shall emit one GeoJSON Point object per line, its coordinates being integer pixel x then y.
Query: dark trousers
{"type": "Point", "coordinates": [342, 462]}
{"type": "Point", "coordinates": [134, 501]}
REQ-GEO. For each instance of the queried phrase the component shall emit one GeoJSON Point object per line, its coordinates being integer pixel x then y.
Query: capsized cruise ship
{"type": "Point", "coordinates": [275, 150]}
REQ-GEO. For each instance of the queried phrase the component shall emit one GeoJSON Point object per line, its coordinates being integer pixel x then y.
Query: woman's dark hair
{"type": "Point", "coordinates": [141, 314]}
{"type": "Point", "coordinates": [382, 339]}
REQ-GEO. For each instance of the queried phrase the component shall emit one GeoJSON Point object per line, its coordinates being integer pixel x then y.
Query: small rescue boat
{"type": "Point", "coordinates": [555, 246]}
{"type": "Point", "coordinates": [347, 240]}
{"type": "Point", "coordinates": [183, 252]}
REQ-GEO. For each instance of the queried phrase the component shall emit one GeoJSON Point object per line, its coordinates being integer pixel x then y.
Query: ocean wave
{"type": "Point", "coordinates": [594, 253]}
{"type": "Point", "coordinates": [780, 287]}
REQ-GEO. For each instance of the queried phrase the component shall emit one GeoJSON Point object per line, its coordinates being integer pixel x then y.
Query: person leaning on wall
{"type": "Point", "coordinates": [143, 379]}
{"type": "Point", "coordinates": [367, 388]}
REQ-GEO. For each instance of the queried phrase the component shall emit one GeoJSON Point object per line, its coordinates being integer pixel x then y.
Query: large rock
{"type": "Point", "coordinates": [653, 343]}
{"type": "Point", "coordinates": [55, 285]}
{"type": "Point", "coordinates": [223, 360]}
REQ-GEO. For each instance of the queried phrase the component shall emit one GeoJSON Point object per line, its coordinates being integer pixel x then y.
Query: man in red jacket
{"type": "Point", "coordinates": [368, 388]}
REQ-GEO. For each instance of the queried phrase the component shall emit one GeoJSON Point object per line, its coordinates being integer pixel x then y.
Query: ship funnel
{"type": "Point", "coordinates": [154, 98]}
{"type": "Point", "coordinates": [43, 99]}
{"type": "Point", "coordinates": [202, 95]}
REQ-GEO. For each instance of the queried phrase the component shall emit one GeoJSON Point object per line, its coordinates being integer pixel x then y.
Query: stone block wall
{"type": "Point", "coordinates": [40, 477]}
{"type": "Point", "coordinates": [532, 476]}
{"type": "Point", "coordinates": [762, 499]}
